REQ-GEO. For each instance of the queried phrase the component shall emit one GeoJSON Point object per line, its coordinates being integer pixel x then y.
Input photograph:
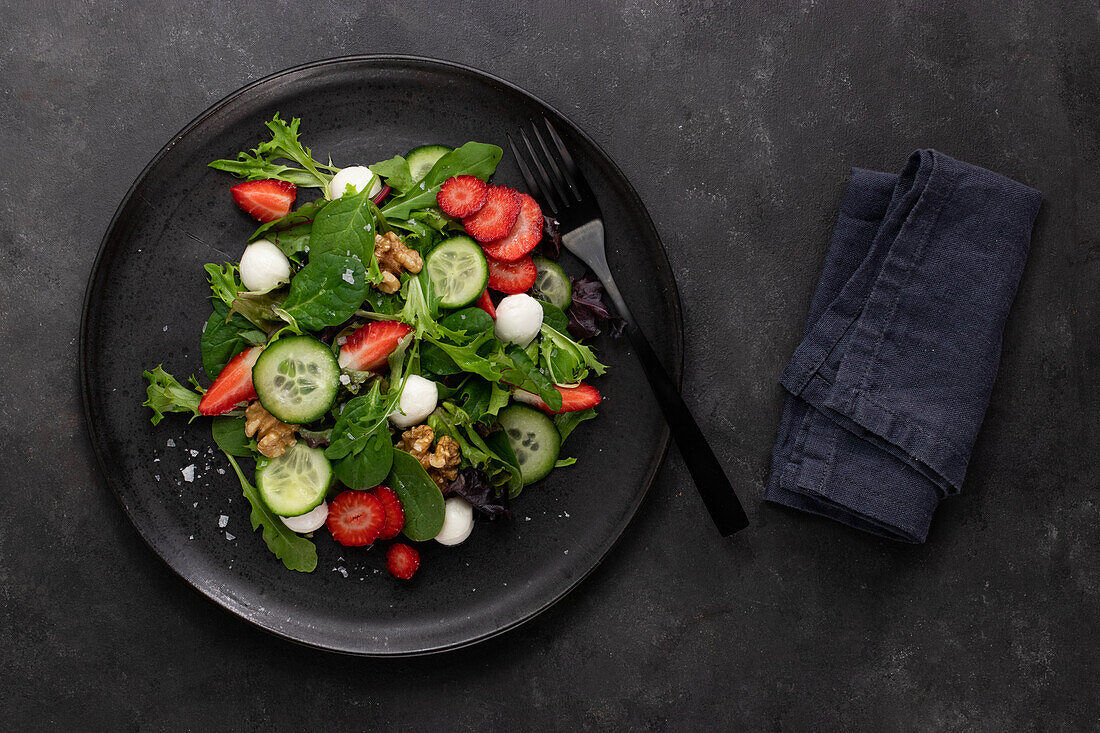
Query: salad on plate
{"type": "Point", "coordinates": [398, 356]}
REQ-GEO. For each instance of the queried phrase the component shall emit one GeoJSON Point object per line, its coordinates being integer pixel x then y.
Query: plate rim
{"type": "Point", "coordinates": [225, 601]}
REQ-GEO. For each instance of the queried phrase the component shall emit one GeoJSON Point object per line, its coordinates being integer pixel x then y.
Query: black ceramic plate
{"type": "Point", "coordinates": [147, 301]}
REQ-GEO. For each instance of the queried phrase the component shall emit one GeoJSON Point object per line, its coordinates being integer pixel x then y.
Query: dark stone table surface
{"type": "Point", "coordinates": [737, 123]}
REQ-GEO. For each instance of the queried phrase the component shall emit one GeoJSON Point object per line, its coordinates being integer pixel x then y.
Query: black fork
{"type": "Point", "coordinates": [561, 190]}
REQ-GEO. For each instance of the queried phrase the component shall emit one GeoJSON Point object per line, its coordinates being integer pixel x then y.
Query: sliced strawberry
{"type": "Point", "coordinates": [525, 234]}
{"type": "Point", "coordinates": [573, 399]}
{"type": "Point", "coordinates": [485, 303]}
{"type": "Point", "coordinates": [462, 196]}
{"type": "Point", "coordinates": [395, 513]}
{"type": "Point", "coordinates": [355, 518]}
{"type": "Point", "coordinates": [496, 217]}
{"type": "Point", "coordinates": [402, 561]}
{"type": "Point", "coordinates": [368, 346]}
{"type": "Point", "coordinates": [233, 385]}
{"type": "Point", "coordinates": [265, 200]}
{"type": "Point", "coordinates": [512, 277]}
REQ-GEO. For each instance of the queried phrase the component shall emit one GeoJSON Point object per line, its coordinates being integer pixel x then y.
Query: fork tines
{"type": "Point", "coordinates": [557, 187]}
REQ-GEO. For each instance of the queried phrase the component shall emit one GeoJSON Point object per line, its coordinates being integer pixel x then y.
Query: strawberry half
{"type": "Point", "coordinates": [395, 513]}
{"type": "Point", "coordinates": [233, 384]}
{"type": "Point", "coordinates": [402, 561]}
{"type": "Point", "coordinates": [525, 234]}
{"type": "Point", "coordinates": [573, 399]}
{"type": "Point", "coordinates": [265, 200]}
{"type": "Point", "coordinates": [368, 346]}
{"type": "Point", "coordinates": [462, 196]}
{"type": "Point", "coordinates": [485, 303]}
{"type": "Point", "coordinates": [497, 217]}
{"type": "Point", "coordinates": [512, 277]}
{"type": "Point", "coordinates": [355, 518]}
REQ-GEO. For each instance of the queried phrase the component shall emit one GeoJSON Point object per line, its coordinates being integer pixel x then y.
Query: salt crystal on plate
{"type": "Point", "coordinates": [342, 570]}
{"type": "Point", "coordinates": [221, 471]}
{"type": "Point", "coordinates": [222, 520]}
{"type": "Point", "coordinates": [230, 537]}
{"type": "Point", "coordinates": [193, 452]}
{"type": "Point", "coordinates": [171, 443]}
{"type": "Point", "coordinates": [188, 473]}
{"type": "Point", "coordinates": [195, 504]}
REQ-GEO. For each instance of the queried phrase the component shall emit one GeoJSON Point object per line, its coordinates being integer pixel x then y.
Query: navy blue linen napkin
{"type": "Point", "coordinates": [890, 383]}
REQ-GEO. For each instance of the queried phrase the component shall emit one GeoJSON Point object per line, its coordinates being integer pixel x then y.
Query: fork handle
{"type": "Point", "coordinates": [715, 489]}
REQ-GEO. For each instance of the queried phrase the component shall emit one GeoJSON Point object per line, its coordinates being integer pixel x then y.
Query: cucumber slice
{"type": "Point", "coordinates": [534, 439]}
{"type": "Point", "coordinates": [422, 159]}
{"type": "Point", "coordinates": [551, 283]}
{"type": "Point", "coordinates": [458, 271]}
{"type": "Point", "coordinates": [296, 379]}
{"type": "Point", "coordinates": [295, 482]}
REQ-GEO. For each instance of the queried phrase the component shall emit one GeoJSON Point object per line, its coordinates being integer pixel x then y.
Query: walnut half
{"type": "Point", "coordinates": [273, 436]}
{"type": "Point", "coordinates": [393, 259]}
{"type": "Point", "coordinates": [442, 463]}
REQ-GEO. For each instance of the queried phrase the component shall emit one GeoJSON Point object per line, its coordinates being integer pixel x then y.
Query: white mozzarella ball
{"type": "Point", "coordinates": [458, 521]}
{"type": "Point", "coordinates": [519, 318]}
{"type": "Point", "coordinates": [359, 176]}
{"type": "Point", "coordinates": [264, 266]}
{"type": "Point", "coordinates": [311, 521]}
{"type": "Point", "coordinates": [418, 400]}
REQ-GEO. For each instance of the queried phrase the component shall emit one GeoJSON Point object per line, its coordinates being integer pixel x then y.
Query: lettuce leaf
{"type": "Point", "coordinates": [166, 394]}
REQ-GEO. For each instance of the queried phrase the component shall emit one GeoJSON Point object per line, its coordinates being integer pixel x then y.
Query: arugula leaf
{"type": "Point", "coordinates": [419, 495]}
{"type": "Point", "coordinates": [474, 159]}
{"type": "Point", "coordinates": [327, 291]}
{"type": "Point", "coordinates": [563, 462]}
{"type": "Point", "coordinates": [291, 233]}
{"type": "Point", "coordinates": [284, 145]}
{"type": "Point", "coordinates": [229, 434]}
{"type": "Point", "coordinates": [396, 172]}
{"type": "Point", "coordinates": [296, 552]}
{"type": "Point", "coordinates": [566, 360]}
{"type": "Point", "coordinates": [347, 227]}
{"type": "Point", "coordinates": [224, 282]}
{"type": "Point", "coordinates": [567, 422]}
{"type": "Point", "coordinates": [166, 394]}
{"type": "Point", "coordinates": [224, 336]}
{"type": "Point", "coordinates": [526, 375]}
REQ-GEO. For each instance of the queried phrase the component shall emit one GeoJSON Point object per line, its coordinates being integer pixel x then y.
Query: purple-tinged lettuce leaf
{"type": "Point", "coordinates": [473, 486]}
{"type": "Point", "coordinates": [588, 312]}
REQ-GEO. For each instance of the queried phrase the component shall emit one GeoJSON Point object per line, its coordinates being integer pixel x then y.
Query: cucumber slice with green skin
{"type": "Point", "coordinates": [296, 379]}
{"type": "Point", "coordinates": [552, 284]}
{"type": "Point", "coordinates": [534, 439]}
{"type": "Point", "coordinates": [422, 159]}
{"type": "Point", "coordinates": [294, 483]}
{"type": "Point", "coordinates": [458, 271]}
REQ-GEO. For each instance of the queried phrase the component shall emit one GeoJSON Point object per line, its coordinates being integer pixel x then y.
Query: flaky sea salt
{"type": "Point", "coordinates": [345, 379]}
{"type": "Point", "coordinates": [193, 452]}
{"type": "Point", "coordinates": [342, 570]}
{"type": "Point", "coordinates": [230, 537]}
{"type": "Point", "coordinates": [341, 340]}
{"type": "Point", "coordinates": [223, 520]}
{"type": "Point", "coordinates": [348, 276]}
{"type": "Point", "coordinates": [221, 471]}
{"type": "Point", "coordinates": [170, 443]}
{"type": "Point", "coordinates": [188, 473]}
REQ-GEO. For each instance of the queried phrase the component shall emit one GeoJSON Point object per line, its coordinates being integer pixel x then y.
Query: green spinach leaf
{"type": "Point", "coordinates": [419, 495]}
{"type": "Point", "coordinates": [296, 552]}
{"type": "Point", "coordinates": [224, 336]}
{"type": "Point", "coordinates": [360, 447]}
{"type": "Point", "coordinates": [327, 291]}
{"type": "Point", "coordinates": [474, 159]}
{"type": "Point", "coordinates": [526, 375]}
{"type": "Point", "coordinates": [396, 173]}
{"type": "Point", "coordinates": [347, 227]}
{"type": "Point", "coordinates": [554, 316]}
{"type": "Point", "coordinates": [229, 435]}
